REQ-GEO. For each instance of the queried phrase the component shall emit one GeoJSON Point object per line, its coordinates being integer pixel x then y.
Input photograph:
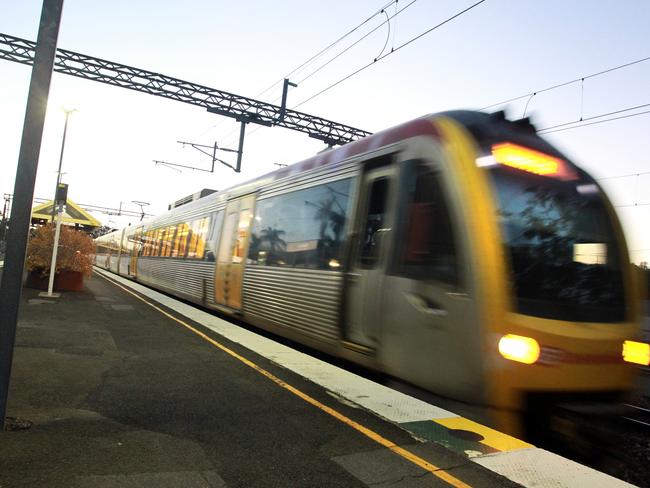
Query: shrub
{"type": "Point", "coordinates": [75, 251]}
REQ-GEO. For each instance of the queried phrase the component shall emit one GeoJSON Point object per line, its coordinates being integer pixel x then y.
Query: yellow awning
{"type": "Point", "coordinates": [73, 214]}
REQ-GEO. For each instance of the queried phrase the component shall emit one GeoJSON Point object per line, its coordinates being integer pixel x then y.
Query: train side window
{"type": "Point", "coordinates": [144, 251]}
{"type": "Point", "coordinates": [302, 229]}
{"type": "Point", "coordinates": [376, 216]}
{"type": "Point", "coordinates": [427, 248]}
{"type": "Point", "coordinates": [167, 241]}
{"type": "Point", "coordinates": [180, 247]}
{"type": "Point", "coordinates": [155, 250]}
{"type": "Point", "coordinates": [149, 243]}
{"type": "Point", "coordinates": [163, 241]}
{"type": "Point", "coordinates": [202, 231]}
{"type": "Point", "coordinates": [212, 240]}
{"type": "Point", "coordinates": [198, 232]}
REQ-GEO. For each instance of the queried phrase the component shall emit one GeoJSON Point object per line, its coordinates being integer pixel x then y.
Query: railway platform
{"type": "Point", "coordinates": [126, 387]}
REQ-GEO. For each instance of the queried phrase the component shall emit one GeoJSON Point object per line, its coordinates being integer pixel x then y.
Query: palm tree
{"type": "Point", "coordinates": [272, 237]}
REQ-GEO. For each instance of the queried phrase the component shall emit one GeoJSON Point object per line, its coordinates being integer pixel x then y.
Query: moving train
{"type": "Point", "coordinates": [459, 252]}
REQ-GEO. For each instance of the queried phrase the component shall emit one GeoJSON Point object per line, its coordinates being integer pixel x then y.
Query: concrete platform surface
{"type": "Point", "coordinates": [122, 395]}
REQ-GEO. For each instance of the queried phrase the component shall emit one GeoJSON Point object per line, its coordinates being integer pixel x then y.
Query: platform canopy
{"type": "Point", "coordinates": [72, 215]}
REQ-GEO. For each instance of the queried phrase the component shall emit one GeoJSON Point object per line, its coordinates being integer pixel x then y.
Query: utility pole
{"type": "Point", "coordinates": [21, 210]}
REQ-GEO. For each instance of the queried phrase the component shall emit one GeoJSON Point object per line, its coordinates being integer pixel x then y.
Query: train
{"type": "Point", "coordinates": [459, 252]}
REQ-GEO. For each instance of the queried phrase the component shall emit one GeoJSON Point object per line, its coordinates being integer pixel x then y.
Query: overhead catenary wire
{"type": "Point", "coordinates": [624, 176]}
{"type": "Point", "coordinates": [389, 53]}
{"type": "Point", "coordinates": [449, 19]}
{"type": "Point", "coordinates": [579, 124]}
{"type": "Point", "coordinates": [330, 46]}
{"type": "Point", "coordinates": [302, 80]}
{"type": "Point", "coordinates": [387, 21]}
{"type": "Point", "coordinates": [594, 117]}
{"type": "Point", "coordinates": [315, 57]}
{"type": "Point", "coordinates": [559, 85]}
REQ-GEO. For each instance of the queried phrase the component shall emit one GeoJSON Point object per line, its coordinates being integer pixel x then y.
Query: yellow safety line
{"type": "Point", "coordinates": [409, 456]}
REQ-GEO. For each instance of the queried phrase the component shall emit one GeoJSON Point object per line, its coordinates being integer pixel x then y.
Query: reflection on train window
{"type": "Point", "coordinates": [212, 240]}
{"type": "Point", "coordinates": [185, 240]}
{"type": "Point", "coordinates": [243, 225]}
{"type": "Point", "coordinates": [374, 225]}
{"type": "Point", "coordinates": [564, 255]}
{"type": "Point", "coordinates": [198, 232]}
{"type": "Point", "coordinates": [168, 240]}
{"type": "Point", "coordinates": [302, 229]}
{"type": "Point", "coordinates": [155, 251]}
{"type": "Point", "coordinates": [426, 243]}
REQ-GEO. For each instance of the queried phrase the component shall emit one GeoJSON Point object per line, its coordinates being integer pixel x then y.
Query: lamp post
{"type": "Point", "coordinates": [59, 200]}
{"type": "Point", "coordinates": [58, 173]}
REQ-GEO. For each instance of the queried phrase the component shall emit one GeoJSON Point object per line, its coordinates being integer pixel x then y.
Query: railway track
{"type": "Point", "coordinates": [637, 415]}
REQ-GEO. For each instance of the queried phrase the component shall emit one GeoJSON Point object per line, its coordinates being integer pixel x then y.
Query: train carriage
{"type": "Point", "coordinates": [459, 252]}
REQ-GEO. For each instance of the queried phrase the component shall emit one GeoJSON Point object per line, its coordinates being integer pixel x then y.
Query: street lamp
{"type": "Point", "coordinates": [60, 196]}
{"type": "Point", "coordinates": [58, 173]}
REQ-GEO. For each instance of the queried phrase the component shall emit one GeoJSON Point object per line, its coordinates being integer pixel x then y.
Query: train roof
{"type": "Point", "coordinates": [479, 124]}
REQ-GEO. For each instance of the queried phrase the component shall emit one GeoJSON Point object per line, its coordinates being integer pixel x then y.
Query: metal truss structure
{"type": "Point", "coordinates": [244, 110]}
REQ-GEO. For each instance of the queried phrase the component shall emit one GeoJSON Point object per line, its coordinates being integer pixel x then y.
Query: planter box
{"type": "Point", "coordinates": [63, 281]}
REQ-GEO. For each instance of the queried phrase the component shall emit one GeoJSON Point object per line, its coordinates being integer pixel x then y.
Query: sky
{"type": "Point", "coordinates": [498, 50]}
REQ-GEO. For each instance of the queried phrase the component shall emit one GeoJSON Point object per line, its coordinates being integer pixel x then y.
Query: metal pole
{"type": "Point", "coordinates": [3, 229]}
{"type": "Point", "coordinates": [240, 152]}
{"type": "Point", "coordinates": [30, 148]}
{"type": "Point", "coordinates": [285, 90]}
{"type": "Point", "coordinates": [55, 250]}
{"type": "Point", "coordinates": [58, 173]}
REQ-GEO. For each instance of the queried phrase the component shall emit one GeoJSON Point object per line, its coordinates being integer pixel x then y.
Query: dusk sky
{"type": "Point", "coordinates": [499, 50]}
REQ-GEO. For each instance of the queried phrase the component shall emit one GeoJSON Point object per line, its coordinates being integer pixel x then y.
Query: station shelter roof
{"type": "Point", "coordinates": [73, 214]}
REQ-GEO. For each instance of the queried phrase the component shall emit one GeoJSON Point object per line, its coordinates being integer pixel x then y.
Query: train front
{"type": "Point", "coordinates": [562, 333]}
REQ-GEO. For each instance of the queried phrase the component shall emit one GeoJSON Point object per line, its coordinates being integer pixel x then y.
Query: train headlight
{"type": "Point", "coordinates": [636, 352]}
{"type": "Point", "coordinates": [519, 348]}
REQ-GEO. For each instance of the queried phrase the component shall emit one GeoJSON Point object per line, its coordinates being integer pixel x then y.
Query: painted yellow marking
{"type": "Point", "coordinates": [409, 456]}
{"type": "Point", "coordinates": [492, 438]}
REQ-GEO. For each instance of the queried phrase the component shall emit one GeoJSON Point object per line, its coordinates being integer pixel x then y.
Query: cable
{"type": "Point", "coordinates": [623, 176]}
{"type": "Point", "coordinates": [537, 92]}
{"type": "Point", "coordinates": [389, 53]}
{"type": "Point", "coordinates": [597, 122]}
{"type": "Point", "coordinates": [314, 57]}
{"type": "Point", "coordinates": [323, 51]}
{"type": "Point", "coordinates": [358, 41]}
{"type": "Point", "coordinates": [595, 117]}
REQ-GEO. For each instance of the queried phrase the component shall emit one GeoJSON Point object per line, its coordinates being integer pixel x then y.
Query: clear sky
{"type": "Point", "coordinates": [496, 51]}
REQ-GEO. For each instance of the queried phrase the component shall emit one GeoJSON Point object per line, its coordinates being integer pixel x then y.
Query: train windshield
{"type": "Point", "coordinates": [564, 255]}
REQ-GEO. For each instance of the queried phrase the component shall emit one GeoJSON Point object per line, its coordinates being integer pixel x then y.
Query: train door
{"type": "Point", "coordinates": [427, 314]}
{"type": "Point", "coordinates": [121, 248]}
{"type": "Point", "coordinates": [231, 256]}
{"type": "Point", "coordinates": [363, 281]}
{"type": "Point", "coordinates": [135, 250]}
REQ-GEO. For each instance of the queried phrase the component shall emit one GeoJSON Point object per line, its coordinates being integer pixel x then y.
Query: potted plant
{"type": "Point", "coordinates": [73, 261]}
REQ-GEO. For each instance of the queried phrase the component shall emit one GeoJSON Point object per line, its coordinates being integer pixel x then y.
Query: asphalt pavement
{"type": "Point", "coordinates": [120, 395]}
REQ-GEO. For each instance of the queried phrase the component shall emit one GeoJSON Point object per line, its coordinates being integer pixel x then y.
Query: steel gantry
{"type": "Point", "coordinates": [243, 109]}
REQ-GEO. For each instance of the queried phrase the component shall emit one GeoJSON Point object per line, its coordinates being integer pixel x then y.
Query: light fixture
{"type": "Point", "coordinates": [519, 348]}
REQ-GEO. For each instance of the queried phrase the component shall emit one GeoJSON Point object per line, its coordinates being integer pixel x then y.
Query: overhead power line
{"type": "Point", "coordinates": [330, 46]}
{"type": "Point", "coordinates": [310, 60]}
{"type": "Point", "coordinates": [559, 85]}
{"type": "Point", "coordinates": [624, 176]}
{"type": "Point", "coordinates": [578, 124]}
{"type": "Point", "coordinates": [387, 21]}
{"type": "Point", "coordinates": [380, 58]}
